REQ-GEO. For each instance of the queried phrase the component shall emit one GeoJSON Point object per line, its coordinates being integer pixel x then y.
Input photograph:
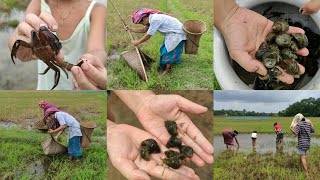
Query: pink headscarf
{"type": "Point", "coordinates": [50, 111]}
{"type": "Point", "coordinates": [143, 12]}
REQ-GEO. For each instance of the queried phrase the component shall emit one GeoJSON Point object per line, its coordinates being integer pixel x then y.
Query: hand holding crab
{"type": "Point", "coordinates": [34, 39]}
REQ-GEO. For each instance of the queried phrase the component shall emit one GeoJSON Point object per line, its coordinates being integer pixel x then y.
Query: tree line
{"type": "Point", "coordinates": [308, 107]}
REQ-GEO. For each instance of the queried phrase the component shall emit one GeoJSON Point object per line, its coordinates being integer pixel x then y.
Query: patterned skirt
{"type": "Point", "coordinates": [74, 148]}
{"type": "Point", "coordinates": [172, 57]}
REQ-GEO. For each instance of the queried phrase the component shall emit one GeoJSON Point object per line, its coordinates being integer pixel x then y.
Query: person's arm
{"type": "Point", "coordinates": [237, 142]}
{"type": "Point", "coordinates": [312, 129]}
{"type": "Point", "coordinates": [59, 133]}
{"type": "Point", "coordinates": [97, 37]}
{"type": "Point", "coordinates": [223, 9]}
{"type": "Point", "coordinates": [92, 75]}
{"type": "Point", "coordinates": [133, 99]}
{"type": "Point", "coordinates": [61, 128]}
{"type": "Point", "coordinates": [138, 30]}
{"type": "Point", "coordinates": [143, 39]}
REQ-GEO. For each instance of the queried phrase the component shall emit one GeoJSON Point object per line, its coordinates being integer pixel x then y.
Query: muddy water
{"type": "Point", "coordinates": [275, 11]}
{"type": "Point", "coordinates": [264, 143]}
{"type": "Point", "coordinates": [21, 75]}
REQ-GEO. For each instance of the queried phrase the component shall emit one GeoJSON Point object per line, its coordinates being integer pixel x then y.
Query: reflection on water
{"type": "Point", "coordinates": [264, 143]}
{"type": "Point", "coordinates": [19, 76]}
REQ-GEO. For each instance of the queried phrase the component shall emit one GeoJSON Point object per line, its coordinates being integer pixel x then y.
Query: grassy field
{"type": "Point", "coordinates": [21, 155]}
{"type": "Point", "coordinates": [266, 166]}
{"type": "Point", "coordinates": [195, 72]}
{"type": "Point", "coordinates": [262, 126]}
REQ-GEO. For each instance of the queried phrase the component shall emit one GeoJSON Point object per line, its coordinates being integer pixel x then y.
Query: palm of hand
{"type": "Point", "coordinates": [123, 150]}
{"type": "Point", "coordinates": [159, 108]}
{"type": "Point", "coordinates": [244, 32]}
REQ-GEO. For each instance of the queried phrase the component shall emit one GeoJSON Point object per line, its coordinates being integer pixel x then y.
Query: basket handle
{"type": "Point", "coordinates": [192, 41]}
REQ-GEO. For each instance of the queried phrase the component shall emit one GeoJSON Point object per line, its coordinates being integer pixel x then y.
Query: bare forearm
{"type": "Point", "coordinates": [223, 10]}
{"type": "Point", "coordinates": [133, 99]}
{"type": "Point", "coordinates": [138, 30]}
{"type": "Point", "coordinates": [101, 54]}
{"type": "Point", "coordinates": [61, 128]}
{"type": "Point", "coordinates": [144, 38]}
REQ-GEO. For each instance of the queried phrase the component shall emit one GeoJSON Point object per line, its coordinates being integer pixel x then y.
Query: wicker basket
{"type": "Point", "coordinates": [137, 60]}
{"type": "Point", "coordinates": [86, 130]}
{"type": "Point", "coordinates": [194, 29]}
{"type": "Point", "coordinates": [53, 147]}
{"type": "Point", "coordinates": [41, 126]}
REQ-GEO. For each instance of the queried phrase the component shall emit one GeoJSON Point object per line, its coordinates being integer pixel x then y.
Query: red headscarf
{"type": "Point", "coordinates": [143, 12]}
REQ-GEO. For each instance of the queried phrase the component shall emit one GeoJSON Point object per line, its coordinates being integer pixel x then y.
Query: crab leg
{"type": "Point", "coordinates": [16, 46]}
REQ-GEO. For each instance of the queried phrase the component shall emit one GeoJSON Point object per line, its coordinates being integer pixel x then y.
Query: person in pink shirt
{"type": "Point", "coordinates": [229, 138]}
{"type": "Point", "coordinates": [278, 131]}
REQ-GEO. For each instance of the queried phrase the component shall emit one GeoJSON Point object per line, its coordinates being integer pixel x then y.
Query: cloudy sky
{"type": "Point", "coordinates": [259, 101]}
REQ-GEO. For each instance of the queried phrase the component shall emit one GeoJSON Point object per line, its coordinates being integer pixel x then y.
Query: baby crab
{"type": "Point", "coordinates": [147, 147]}
{"type": "Point", "coordinates": [171, 127]}
{"type": "Point", "coordinates": [174, 159]}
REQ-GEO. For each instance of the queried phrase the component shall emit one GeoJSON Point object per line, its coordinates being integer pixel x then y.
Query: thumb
{"type": "Point", "coordinates": [188, 106]}
{"type": "Point", "coordinates": [128, 169]}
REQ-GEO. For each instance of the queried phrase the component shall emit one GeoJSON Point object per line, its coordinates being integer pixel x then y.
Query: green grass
{"type": "Point", "coordinates": [266, 166]}
{"type": "Point", "coordinates": [8, 5]}
{"type": "Point", "coordinates": [195, 72]}
{"type": "Point", "coordinates": [21, 150]}
{"type": "Point", "coordinates": [262, 126]}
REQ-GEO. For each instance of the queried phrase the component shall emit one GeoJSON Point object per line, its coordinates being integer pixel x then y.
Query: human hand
{"type": "Point", "coordinates": [136, 42]}
{"type": "Point", "coordinates": [123, 150]}
{"type": "Point", "coordinates": [244, 31]}
{"type": "Point", "coordinates": [310, 7]}
{"type": "Point", "coordinates": [91, 75]}
{"type": "Point", "coordinates": [128, 28]}
{"type": "Point", "coordinates": [23, 32]}
{"type": "Point", "coordinates": [50, 131]}
{"type": "Point", "coordinates": [156, 109]}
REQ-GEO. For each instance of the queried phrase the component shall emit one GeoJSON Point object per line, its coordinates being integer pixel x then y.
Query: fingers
{"type": "Point", "coordinates": [170, 174]}
{"type": "Point", "coordinates": [188, 106]}
{"type": "Point", "coordinates": [193, 137]}
{"type": "Point", "coordinates": [49, 20]}
{"type": "Point", "coordinates": [99, 77]}
{"type": "Point", "coordinates": [249, 64]}
{"type": "Point", "coordinates": [303, 52]}
{"type": "Point", "coordinates": [34, 21]}
{"type": "Point", "coordinates": [293, 30]}
{"type": "Point", "coordinates": [287, 78]}
{"type": "Point", "coordinates": [130, 170]}
{"type": "Point", "coordinates": [24, 29]}
{"type": "Point", "coordinates": [82, 81]}
{"type": "Point", "coordinates": [44, 19]}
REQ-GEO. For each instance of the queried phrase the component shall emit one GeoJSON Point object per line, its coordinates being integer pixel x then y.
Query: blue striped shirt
{"type": "Point", "coordinates": [304, 130]}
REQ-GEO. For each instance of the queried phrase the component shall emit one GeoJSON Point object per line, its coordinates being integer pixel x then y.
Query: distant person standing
{"type": "Point", "coordinates": [303, 130]}
{"type": "Point", "coordinates": [229, 138]}
{"type": "Point", "coordinates": [278, 131]}
{"type": "Point", "coordinates": [254, 138]}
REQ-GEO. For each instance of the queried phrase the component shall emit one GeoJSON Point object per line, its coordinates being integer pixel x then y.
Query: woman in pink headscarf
{"type": "Point", "coordinates": [157, 21]}
{"type": "Point", "coordinates": [46, 105]}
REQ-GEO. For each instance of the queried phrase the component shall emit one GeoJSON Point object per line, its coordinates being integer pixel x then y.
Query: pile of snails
{"type": "Point", "coordinates": [279, 51]}
{"type": "Point", "coordinates": [174, 159]}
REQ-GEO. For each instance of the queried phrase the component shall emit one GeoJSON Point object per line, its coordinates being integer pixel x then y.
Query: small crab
{"type": "Point", "coordinates": [149, 146]}
{"type": "Point", "coordinates": [45, 46]}
{"type": "Point", "coordinates": [186, 150]}
{"type": "Point", "coordinates": [175, 161]}
{"type": "Point", "coordinates": [174, 142]}
{"type": "Point", "coordinates": [171, 127]}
